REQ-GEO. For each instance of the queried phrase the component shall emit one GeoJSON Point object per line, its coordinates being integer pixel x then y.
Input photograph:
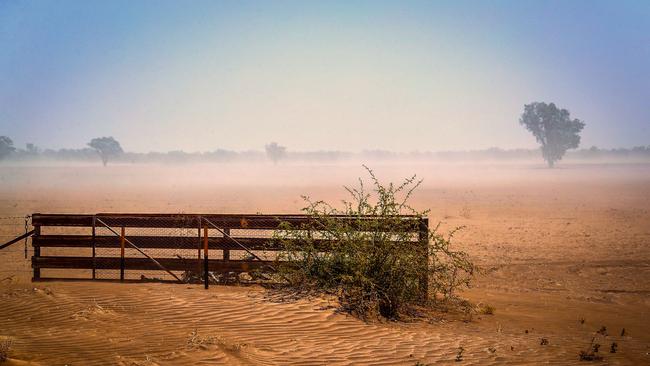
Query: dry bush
{"type": "Point", "coordinates": [375, 267]}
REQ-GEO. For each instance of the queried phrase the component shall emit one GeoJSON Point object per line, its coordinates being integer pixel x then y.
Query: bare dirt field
{"type": "Point", "coordinates": [564, 252]}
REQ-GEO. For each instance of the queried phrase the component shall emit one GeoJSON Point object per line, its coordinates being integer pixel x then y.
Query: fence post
{"type": "Point", "coordinates": [26, 238]}
{"type": "Point", "coordinates": [199, 246]}
{"type": "Point", "coordinates": [122, 260]}
{"type": "Point", "coordinates": [200, 241]}
{"type": "Point", "coordinates": [226, 252]}
{"type": "Point", "coordinates": [94, 246]}
{"type": "Point", "coordinates": [423, 240]}
{"type": "Point", "coordinates": [206, 271]}
{"type": "Point", "coordinates": [37, 252]}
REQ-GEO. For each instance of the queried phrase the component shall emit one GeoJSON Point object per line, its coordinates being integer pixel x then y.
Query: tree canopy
{"type": "Point", "coordinates": [6, 147]}
{"type": "Point", "coordinates": [553, 128]}
{"type": "Point", "coordinates": [275, 152]}
{"type": "Point", "coordinates": [106, 147]}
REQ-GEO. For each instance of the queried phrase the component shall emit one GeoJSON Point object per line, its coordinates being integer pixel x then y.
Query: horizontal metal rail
{"type": "Point", "coordinates": [230, 221]}
{"type": "Point", "coordinates": [170, 242]}
{"type": "Point", "coordinates": [173, 264]}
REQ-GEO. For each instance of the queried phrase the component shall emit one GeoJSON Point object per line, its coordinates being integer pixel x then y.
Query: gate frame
{"type": "Point", "coordinates": [222, 222]}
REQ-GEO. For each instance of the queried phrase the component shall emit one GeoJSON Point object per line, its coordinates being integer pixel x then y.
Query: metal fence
{"type": "Point", "coordinates": [165, 247]}
{"type": "Point", "coordinates": [13, 259]}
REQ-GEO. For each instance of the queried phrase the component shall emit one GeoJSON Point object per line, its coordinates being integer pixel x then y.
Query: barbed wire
{"type": "Point", "coordinates": [14, 217]}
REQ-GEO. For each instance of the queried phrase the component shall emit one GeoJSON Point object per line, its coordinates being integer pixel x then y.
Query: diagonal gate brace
{"type": "Point", "coordinates": [140, 250]}
{"type": "Point", "coordinates": [226, 235]}
{"type": "Point", "coordinates": [17, 239]}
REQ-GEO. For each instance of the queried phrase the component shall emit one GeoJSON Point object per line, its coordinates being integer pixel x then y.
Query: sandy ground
{"type": "Point", "coordinates": [564, 252]}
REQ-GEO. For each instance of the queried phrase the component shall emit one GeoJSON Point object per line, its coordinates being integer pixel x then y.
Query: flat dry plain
{"type": "Point", "coordinates": [564, 252]}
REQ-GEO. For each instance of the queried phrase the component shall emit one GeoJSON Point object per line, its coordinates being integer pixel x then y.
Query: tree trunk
{"type": "Point", "coordinates": [550, 163]}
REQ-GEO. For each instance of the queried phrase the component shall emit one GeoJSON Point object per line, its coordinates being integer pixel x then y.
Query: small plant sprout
{"type": "Point", "coordinates": [613, 348]}
{"type": "Point", "coordinates": [459, 354]}
{"type": "Point", "coordinates": [591, 353]}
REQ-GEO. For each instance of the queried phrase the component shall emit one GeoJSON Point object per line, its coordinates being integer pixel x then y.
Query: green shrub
{"type": "Point", "coordinates": [374, 262]}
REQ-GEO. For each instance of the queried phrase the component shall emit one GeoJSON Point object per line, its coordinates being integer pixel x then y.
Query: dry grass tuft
{"type": "Point", "coordinates": [485, 309]}
{"type": "Point", "coordinates": [459, 354]}
{"type": "Point", "coordinates": [196, 341]}
{"type": "Point", "coordinates": [90, 311]}
{"type": "Point", "coordinates": [5, 347]}
{"type": "Point", "coordinates": [466, 212]}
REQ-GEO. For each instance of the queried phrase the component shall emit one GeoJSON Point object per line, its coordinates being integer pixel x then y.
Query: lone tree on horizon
{"type": "Point", "coordinates": [106, 147]}
{"type": "Point", "coordinates": [553, 128]}
{"type": "Point", "coordinates": [6, 147]}
{"type": "Point", "coordinates": [275, 152]}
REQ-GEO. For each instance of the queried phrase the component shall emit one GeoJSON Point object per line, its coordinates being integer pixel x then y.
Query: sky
{"type": "Point", "coordinates": [320, 75]}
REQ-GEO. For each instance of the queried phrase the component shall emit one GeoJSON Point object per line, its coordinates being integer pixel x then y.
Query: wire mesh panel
{"type": "Point", "coordinates": [14, 266]}
{"type": "Point", "coordinates": [126, 250]}
{"type": "Point", "coordinates": [245, 248]}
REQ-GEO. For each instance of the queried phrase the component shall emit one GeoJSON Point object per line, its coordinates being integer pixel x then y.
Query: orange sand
{"type": "Point", "coordinates": [556, 246]}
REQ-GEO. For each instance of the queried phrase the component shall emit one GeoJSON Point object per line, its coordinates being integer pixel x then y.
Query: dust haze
{"type": "Point", "coordinates": [563, 252]}
{"type": "Point", "coordinates": [247, 107]}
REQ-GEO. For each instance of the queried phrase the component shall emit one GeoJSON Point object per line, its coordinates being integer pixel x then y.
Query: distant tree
{"type": "Point", "coordinates": [553, 128]}
{"type": "Point", "coordinates": [275, 152]}
{"type": "Point", "coordinates": [32, 149]}
{"type": "Point", "coordinates": [6, 147]}
{"type": "Point", "coordinates": [106, 147]}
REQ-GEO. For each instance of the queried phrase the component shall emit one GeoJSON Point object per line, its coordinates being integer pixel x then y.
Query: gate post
{"type": "Point", "coordinates": [94, 245]}
{"type": "Point", "coordinates": [37, 253]}
{"type": "Point", "coordinates": [122, 260]}
{"type": "Point", "coordinates": [205, 258]}
{"type": "Point", "coordinates": [199, 245]}
{"type": "Point", "coordinates": [226, 251]}
{"type": "Point", "coordinates": [423, 241]}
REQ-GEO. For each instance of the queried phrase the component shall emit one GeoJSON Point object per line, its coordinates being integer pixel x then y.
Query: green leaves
{"type": "Point", "coordinates": [371, 252]}
{"type": "Point", "coordinates": [553, 128]}
{"type": "Point", "coordinates": [106, 147]}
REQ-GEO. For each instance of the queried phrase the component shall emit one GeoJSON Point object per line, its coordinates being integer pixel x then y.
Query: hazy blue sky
{"type": "Point", "coordinates": [350, 75]}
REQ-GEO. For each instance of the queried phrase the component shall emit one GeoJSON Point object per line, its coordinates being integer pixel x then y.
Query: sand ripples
{"type": "Point", "coordinates": [112, 323]}
{"type": "Point", "coordinates": [160, 324]}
